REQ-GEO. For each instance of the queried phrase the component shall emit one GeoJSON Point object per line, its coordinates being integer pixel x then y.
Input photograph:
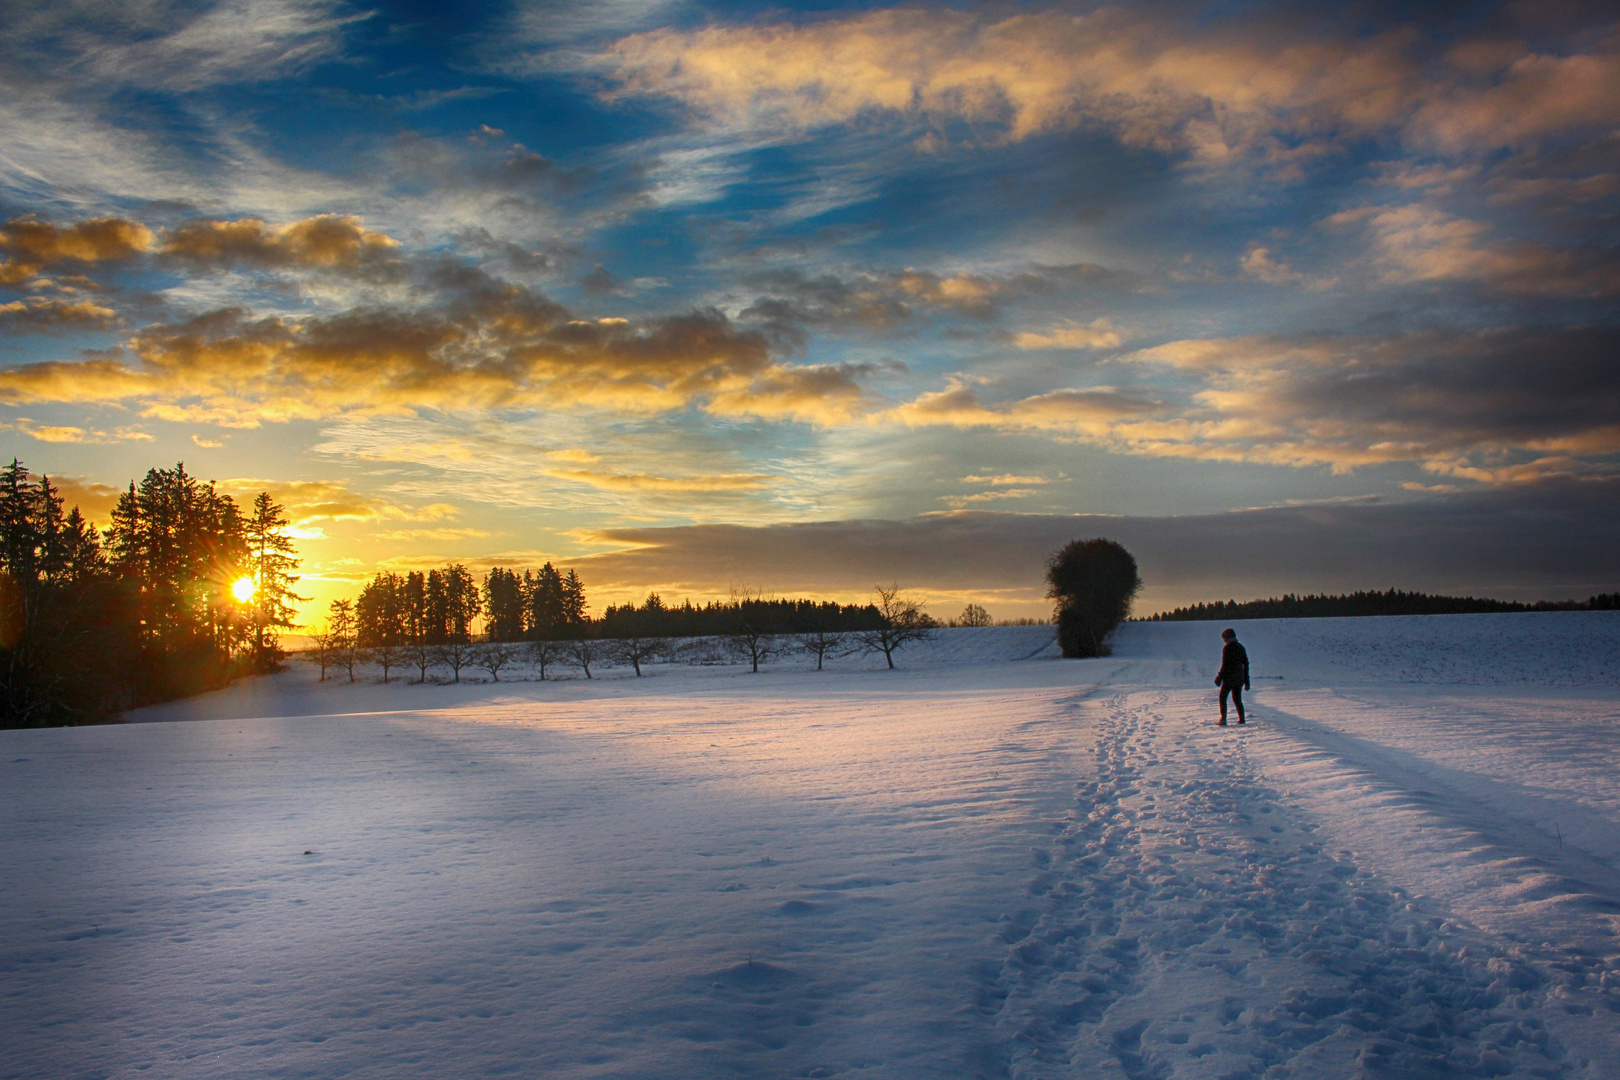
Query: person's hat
{"type": "Point", "coordinates": [1229, 633]}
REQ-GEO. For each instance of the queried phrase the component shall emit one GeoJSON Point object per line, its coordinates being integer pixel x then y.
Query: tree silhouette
{"type": "Point", "coordinates": [1093, 583]}
{"type": "Point", "coordinates": [270, 562]}
{"type": "Point", "coordinates": [901, 621]}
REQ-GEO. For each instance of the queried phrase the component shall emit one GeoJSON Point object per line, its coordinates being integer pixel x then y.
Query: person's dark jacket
{"type": "Point", "coordinates": [1234, 666]}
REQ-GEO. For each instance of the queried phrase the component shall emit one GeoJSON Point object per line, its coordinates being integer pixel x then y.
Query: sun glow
{"type": "Point", "coordinates": [243, 589]}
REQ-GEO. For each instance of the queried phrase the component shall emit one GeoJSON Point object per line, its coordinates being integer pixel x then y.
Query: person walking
{"type": "Point", "coordinates": [1233, 678]}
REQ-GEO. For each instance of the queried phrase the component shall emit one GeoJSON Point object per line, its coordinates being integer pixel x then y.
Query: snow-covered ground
{"type": "Point", "coordinates": [988, 863]}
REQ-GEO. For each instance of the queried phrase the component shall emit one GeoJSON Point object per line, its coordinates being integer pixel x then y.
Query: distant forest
{"type": "Point", "coordinates": [184, 591]}
{"type": "Point", "coordinates": [1392, 602]}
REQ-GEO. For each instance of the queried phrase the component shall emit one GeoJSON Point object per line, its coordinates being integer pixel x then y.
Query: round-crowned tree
{"type": "Point", "coordinates": [1093, 582]}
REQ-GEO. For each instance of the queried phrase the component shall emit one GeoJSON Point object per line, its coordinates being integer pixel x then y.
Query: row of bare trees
{"type": "Point", "coordinates": [891, 622]}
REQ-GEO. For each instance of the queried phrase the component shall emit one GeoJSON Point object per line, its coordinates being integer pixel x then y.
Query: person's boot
{"type": "Point", "coordinates": [1221, 722]}
{"type": "Point", "coordinates": [1241, 720]}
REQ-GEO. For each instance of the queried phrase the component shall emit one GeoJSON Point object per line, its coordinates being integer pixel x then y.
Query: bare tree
{"type": "Point", "coordinates": [494, 655]}
{"type": "Point", "coordinates": [456, 655]}
{"type": "Point", "coordinates": [752, 639]}
{"type": "Point", "coordinates": [901, 621]}
{"type": "Point", "coordinates": [546, 653]}
{"type": "Point", "coordinates": [822, 643]}
{"type": "Point", "coordinates": [422, 656]}
{"type": "Point", "coordinates": [585, 652]}
{"type": "Point", "coordinates": [323, 650]}
{"type": "Point", "coordinates": [387, 657]}
{"type": "Point", "coordinates": [634, 650]}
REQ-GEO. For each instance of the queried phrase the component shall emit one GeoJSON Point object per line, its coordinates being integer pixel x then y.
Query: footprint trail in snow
{"type": "Point", "coordinates": [1192, 920]}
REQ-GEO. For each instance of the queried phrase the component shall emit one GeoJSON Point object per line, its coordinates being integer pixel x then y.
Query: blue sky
{"type": "Point", "coordinates": [513, 281]}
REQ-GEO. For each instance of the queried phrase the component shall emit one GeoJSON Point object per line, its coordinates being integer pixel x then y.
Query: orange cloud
{"type": "Point", "coordinates": [513, 350]}
{"type": "Point", "coordinates": [98, 240]}
{"type": "Point", "coordinates": [328, 241]}
{"type": "Point", "coordinates": [41, 313]}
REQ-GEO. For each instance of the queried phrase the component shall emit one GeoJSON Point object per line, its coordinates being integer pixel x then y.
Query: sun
{"type": "Point", "coordinates": [243, 589]}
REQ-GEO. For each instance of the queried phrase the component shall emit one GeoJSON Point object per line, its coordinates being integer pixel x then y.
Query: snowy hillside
{"type": "Point", "coordinates": [990, 862]}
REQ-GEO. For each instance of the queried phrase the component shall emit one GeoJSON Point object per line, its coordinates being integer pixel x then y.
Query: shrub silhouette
{"type": "Point", "coordinates": [1093, 582]}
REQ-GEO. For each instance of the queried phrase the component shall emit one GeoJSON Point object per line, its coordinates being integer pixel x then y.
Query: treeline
{"type": "Point", "coordinates": [654, 619]}
{"type": "Point", "coordinates": [152, 608]}
{"type": "Point", "coordinates": [440, 606]}
{"type": "Point", "coordinates": [1391, 602]}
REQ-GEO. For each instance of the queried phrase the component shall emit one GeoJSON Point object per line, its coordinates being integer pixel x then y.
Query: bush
{"type": "Point", "coordinates": [1093, 582]}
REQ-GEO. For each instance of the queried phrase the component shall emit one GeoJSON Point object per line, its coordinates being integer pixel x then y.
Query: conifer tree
{"type": "Point", "coordinates": [270, 564]}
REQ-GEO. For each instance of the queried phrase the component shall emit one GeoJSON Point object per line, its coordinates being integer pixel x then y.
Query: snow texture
{"type": "Point", "coordinates": [990, 862]}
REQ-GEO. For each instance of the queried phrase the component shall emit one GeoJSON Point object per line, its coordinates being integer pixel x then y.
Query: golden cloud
{"type": "Point", "coordinates": [643, 482]}
{"type": "Point", "coordinates": [98, 240]}
{"type": "Point", "coordinates": [1211, 93]}
{"type": "Point", "coordinates": [308, 501]}
{"type": "Point", "coordinates": [512, 350]}
{"type": "Point", "coordinates": [41, 313]}
{"type": "Point", "coordinates": [1071, 412]}
{"type": "Point", "coordinates": [328, 241]}
{"type": "Point", "coordinates": [1097, 334]}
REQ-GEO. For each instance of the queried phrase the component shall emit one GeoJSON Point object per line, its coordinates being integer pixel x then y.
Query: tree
{"type": "Point", "coordinates": [494, 655]}
{"type": "Point", "coordinates": [323, 649]}
{"type": "Point", "coordinates": [270, 563]}
{"type": "Point", "coordinates": [340, 628]}
{"type": "Point", "coordinates": [420, 655]}
{"type": "Point", "coordinates": [822, 643]}
{"type": "Point", "coordinates": [382, 612]}
{"type": "Point", "coordinates": [584, 652]}
{"type": "Point", "coordinates": [455, 655]}
{"type": "Point", "coordinates": [634, 650]}
{"type": "Point", "coordinates": [546, 653]}
{"type": "Point", "coordinates": [973, 615]}
{"type": "Point", "coordinates": [386, 657]}
{"type": "Point", "coordinates": [901, 620]}
{"type": "Point", "coordinates": [1092, 583]}
{"type": "Point", "coordinates": [753, 636]}
{"type": "Point", "coordinates": [503, 605]}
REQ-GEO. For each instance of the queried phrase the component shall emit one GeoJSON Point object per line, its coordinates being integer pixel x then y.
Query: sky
{"type": "Point", "coordinates": [696, 297]}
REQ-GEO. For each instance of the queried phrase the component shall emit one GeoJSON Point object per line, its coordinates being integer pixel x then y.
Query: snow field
{"type": "Point", "coordinates": [988, 863]}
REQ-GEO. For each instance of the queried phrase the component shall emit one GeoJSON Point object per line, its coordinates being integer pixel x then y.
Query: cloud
{"type": "Point", "coordinates": [642, 482]}
{"type": "Point", "coordinates": [487, 345]}
{"type": "Point", "coordinates": [879, 300]}
{"type": "Point", "coordinates": [1557, 540]}
{"type": "Point", "coordinates": [1418, 243]}
{"type": "Point", "coordinates": [986, 496]}
{"type": "Point", "coordinates": [1452, 400]}
{"type": "Point", "coordinates": [1005, 479]}
{"type": "Point", "coordinates": [327, 241]}
{"type": "Point", "coordinates": [33, 245]}
{"type": "Point", "coordinates": [309, 501]}
{"type": "Point", "coordinates": [95, 501]}
{"type": "Point", "coordinates": [1093, 411]}
{"type": "Point", "coordinates": [1097, 334]}
{"type": "Point", "coordinates": [40, 314]}
{"type": "Point", "coordinates": [1214, 92]}
{"type": "Point", "coordinates": [177, 48]}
